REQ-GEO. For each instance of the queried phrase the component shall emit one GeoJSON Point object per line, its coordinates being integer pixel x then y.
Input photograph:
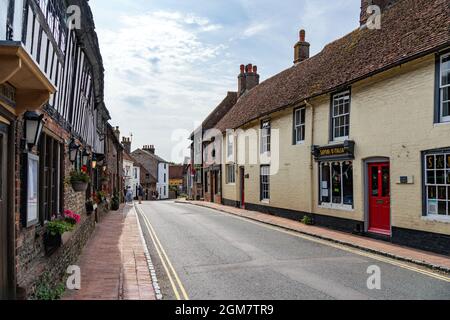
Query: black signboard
{"type": "Point", "coordinates": [344, 151]}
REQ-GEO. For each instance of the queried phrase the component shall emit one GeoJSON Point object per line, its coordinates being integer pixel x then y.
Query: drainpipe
{"type": "Point", "coordinates": [311, 159]}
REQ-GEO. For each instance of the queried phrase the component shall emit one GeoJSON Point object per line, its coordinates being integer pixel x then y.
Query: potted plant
{"type": "Point", "coordinates": [115, 203]}
{"type": "Point", "coordinates": [53, 236]}
{"type": "Point", "coordinates": [80, 179]}
{"type": "Point", "coordinates": [90, 207]}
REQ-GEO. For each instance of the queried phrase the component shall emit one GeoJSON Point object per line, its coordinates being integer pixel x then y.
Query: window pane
{"type": "Point", "coordinates": [445, 77]}
{"type": "Point", "coordinates": [442, 193]}
{"type": "Point", "coordinates": [440, 162]}
{"type": "Point", "coordinates": [374, 173]}
{"type": "Point", "coordinates": [325, 183]}
{"type": "Point", "coordinates": [430, 162]}
{"type": "Point", "coordinates": [440, 176]}
{"type": "Point", "coordinates": [430, 177]}
{"type": "Point", "coordinates": [336, 183]}
{"type": "Point", "coordinates": [347, 173]}
{"type": "Point", "coordinates": [385, 188]}
{"type": "Point", "coordinates": [448, 161]}
{"type": "Point", "coordinates": [303, 115]}
{"type": "Point", "coordinates": [446, 109]}
{"type": "Point", "coordinates": [432, 193]}
{"type": "Point", "coordinates": [442, 208]}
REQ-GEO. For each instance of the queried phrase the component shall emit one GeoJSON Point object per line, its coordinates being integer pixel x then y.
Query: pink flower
{"type": "Point", "coordinates": [70, 214]}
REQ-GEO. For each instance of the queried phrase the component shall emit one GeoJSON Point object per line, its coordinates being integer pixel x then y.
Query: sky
{"type": "Point", "coordinates": [169, 63]}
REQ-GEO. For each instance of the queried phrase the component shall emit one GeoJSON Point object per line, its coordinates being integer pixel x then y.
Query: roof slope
{"type": "Point", "coordinates": [410, 28]}
{"type": "Point", "coordinates": [151, 155]}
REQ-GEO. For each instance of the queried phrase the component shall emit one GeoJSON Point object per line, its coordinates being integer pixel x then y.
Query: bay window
{"type": "Point", "coordinates": [336, 184]}
{"type": "Point", "coordinates": [437, 183]}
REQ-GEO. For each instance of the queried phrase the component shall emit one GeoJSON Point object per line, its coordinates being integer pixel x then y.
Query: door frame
{"type": "Point", "coordinates": [368, 162]}
{"type": "Point", "coordinates": [242, 187]}
{"type": "Point", "coordinates": [9, 122]}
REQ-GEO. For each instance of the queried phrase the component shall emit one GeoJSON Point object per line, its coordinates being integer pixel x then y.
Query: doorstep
{"type": "Point", "coordinates": [418, 257]}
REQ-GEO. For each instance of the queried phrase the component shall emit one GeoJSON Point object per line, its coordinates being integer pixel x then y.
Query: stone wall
{"type": "Point", "coordinates": [33, 266]}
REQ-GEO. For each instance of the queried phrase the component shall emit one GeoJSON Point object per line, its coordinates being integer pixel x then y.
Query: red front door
{"type": "Point", "coordinates": [379, 198]}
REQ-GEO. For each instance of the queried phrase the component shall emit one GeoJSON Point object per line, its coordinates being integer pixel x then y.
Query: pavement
{"type": "Point", "coordinates": [114, 265]}
{"type": "Point", "coordinates": [202, 253]}
{"type": "Point", "coordinates": [401, 253]}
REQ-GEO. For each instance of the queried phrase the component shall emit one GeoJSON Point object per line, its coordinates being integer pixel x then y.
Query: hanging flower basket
{"type": "Point", "coordinates": [79, 186]}
{"type": "Point", "coordinates": [80, 180]}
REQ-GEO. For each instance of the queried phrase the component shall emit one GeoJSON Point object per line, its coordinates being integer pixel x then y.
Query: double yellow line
{"type": "Point", "coordinates": [175, 282]}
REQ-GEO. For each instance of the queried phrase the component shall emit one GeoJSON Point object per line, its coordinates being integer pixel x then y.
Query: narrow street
{"type": "Point", "coordinates": [212, 255]}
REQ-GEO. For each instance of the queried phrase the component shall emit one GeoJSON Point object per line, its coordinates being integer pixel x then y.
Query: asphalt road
{"type": "Point", "coordinates": [209, 255]}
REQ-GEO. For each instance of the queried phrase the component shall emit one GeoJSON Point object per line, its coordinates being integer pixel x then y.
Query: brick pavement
{"type": "Point", "coordinates": [113, 263]}
{"type": "Point", "coordinates": [423, 258]}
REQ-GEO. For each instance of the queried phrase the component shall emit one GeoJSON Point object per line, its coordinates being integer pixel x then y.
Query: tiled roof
{"type": "Point", "coordinates": [410, 29]}
{"type": "Point", "coordinates": [158, 158]}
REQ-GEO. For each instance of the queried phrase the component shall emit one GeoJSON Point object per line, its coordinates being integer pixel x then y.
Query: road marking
{"type": "Point", "coordinates": [164, 258]}
{"type": "Point", "coordinates": [338, 246]}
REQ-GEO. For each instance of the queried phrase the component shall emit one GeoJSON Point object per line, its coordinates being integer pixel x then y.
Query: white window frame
{"type": "Point", "coordinates": [230, 146]}
{"type": "Point", "coordinates": [335, 97]}
{"type": "Point", "coordinates": [265, 172]}
{"type": "Point", "coordinates": [331, 205]}
{"type": "Point", "coordinates": [441, 90]}
{"type": "Point", "coordinates": [265, 136]}
{"type": "Point", "coordinates": [299, 125]}
{"type": "Point", "coordinates": [445, 185]}
{"type": "Point", "coordinates": [231, 173]}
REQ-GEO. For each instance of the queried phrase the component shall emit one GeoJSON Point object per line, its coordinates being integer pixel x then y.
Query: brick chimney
{"type": "Point", "coordinates": [149, 148]}
{"type": "Point", "coordinates": [126, 142]}
{"type": "Point", "coordinates": [383, 4]}
{"type": "Point", "coordinates": [301, 48]}
{"type": "Point", "coordinates": [248, 78]}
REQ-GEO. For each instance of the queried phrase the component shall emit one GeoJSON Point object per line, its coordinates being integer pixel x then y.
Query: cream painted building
{"type": "Point", "coordinates": [358, 135]}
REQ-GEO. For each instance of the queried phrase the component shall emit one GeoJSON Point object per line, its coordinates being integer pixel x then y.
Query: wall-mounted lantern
{"type": "Point", "coordinates": [73, 151]}
{"type": "Point", "coordinates": [86, 155]}
{"type": "Point", "coordinates": [33, 128]}
{"type": "Point", "coordinates": [94, 162]}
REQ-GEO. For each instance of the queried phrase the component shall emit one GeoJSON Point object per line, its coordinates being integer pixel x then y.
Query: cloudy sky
{"type": "Point", "coordinates": [170, 62]}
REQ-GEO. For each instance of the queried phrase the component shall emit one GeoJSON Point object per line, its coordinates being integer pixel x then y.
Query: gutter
{"type": "Point", "coordinates": [311, 158]}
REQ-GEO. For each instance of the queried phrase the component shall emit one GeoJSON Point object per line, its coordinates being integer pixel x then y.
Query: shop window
{"type": "Point", "coordinates": [265, 183]}
{"type": "Point", "coordinates": [50, 158]}
{"type": "Point", "coordinates": [437, 183]}
{"type": "Point", "coordinates": [336, 184]}
{"type": "Point", "coordinates": [340, 116]}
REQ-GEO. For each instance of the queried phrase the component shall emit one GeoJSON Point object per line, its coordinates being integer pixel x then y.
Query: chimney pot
{"type": "Point", "coordinates": [242, 69]}
{"type": "Point", "coordinates": [255, 69]}
{"type": "Point", "coordinates": [250, 68]}
{"type": "Point", "coordinates": [302, 35]}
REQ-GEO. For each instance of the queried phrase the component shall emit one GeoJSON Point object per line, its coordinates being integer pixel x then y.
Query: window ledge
{"type": "Point", "coordinates": [436, 218]}
{"type": "Point", "coordinates": [300, 143]}
{"type": "Point", "coordinates": [443, 123]}
{"type": "Point", "coordinates": [231, 184]}
{"type": "Point", "coordinates": [337, 207]}
{"type": "Point", "coordinates": [265, 201]}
